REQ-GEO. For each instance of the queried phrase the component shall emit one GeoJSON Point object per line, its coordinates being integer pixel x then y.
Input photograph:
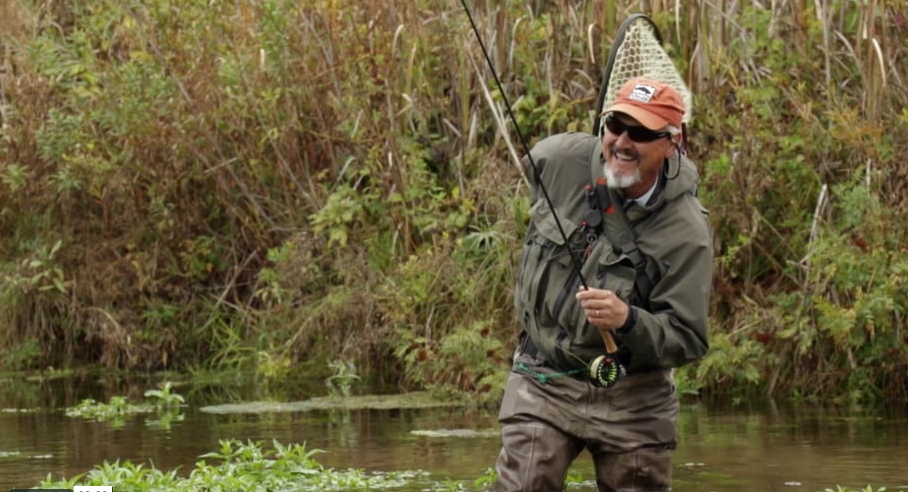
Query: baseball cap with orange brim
{"type": "Point", "coordinates": [654, 104]}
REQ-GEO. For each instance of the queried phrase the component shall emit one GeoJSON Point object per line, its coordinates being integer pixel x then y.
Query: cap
{"type": "Point", "coordinates": [654, 104]}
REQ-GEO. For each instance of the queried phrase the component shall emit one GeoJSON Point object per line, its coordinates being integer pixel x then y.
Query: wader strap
{"type": "Point", "coordinates": [619, 229]}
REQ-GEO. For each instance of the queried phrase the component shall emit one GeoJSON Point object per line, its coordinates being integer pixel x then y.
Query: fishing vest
{"type": "Point", "coordinates": [600, 246]}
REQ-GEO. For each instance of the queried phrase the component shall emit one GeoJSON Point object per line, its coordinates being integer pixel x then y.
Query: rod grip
{"type": "Point", "coordinates": [610, 346]}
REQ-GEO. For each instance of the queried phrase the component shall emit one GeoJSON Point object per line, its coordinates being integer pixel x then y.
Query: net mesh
{"type": "Point", "coordinates": [641, 55]}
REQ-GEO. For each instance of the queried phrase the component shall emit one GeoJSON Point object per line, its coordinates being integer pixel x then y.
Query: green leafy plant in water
{"type": "Point", "coordinates": [164, 420]}
{"type": "Point", "coordinates": [164, 397]}
{"type": "Point", "coordinates": [487, 479]}
{"type": "Point", "coordinates": [246, 467]}
{"type": "Point", "coordinates": [249, 466]}
{"type": "Point", "coordinates": [115, 412]}
{"type": "Point", "coordinates": [449, 486]}
{"type": "Point", "coordinates": [164, 402]}
{"type": "Point", "coordinates": [574, 479]}
{"type": "Point", "coordinates": [340, 384]}
{"type": "Point", "coordinates": [167, 406]}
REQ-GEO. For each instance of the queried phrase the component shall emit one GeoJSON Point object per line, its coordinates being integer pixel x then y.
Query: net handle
{"type": "Point", "coordinates": [613, 53]}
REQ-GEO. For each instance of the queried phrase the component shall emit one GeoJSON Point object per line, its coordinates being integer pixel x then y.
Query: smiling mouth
{"type": "Point", "coordinates": [624, 157]}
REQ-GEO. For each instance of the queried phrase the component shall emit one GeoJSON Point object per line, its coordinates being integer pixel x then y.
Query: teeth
{"type": "Point", "coordinates": [624, 157]}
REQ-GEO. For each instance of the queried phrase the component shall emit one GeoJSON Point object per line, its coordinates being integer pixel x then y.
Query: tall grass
{"type": "Point", "coordinates": [329, 180]}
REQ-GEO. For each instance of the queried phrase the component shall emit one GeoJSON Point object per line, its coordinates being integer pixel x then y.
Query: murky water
{"type": "Point", "coordinates": [759, 448]}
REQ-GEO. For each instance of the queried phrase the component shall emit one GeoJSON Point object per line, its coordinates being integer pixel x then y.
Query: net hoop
{"type": "Point", "coordinates": [637, 52]}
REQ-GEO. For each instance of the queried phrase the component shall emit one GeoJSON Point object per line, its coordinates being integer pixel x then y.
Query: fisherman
{"type": "Point", "coordinates": [636, 270]}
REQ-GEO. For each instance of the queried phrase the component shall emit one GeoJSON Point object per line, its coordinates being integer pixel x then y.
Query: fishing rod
{"type": "Point", "coordinates": [605, 369]}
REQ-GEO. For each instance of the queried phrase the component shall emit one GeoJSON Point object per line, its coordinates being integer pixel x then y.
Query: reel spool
{"type": "Point", "coordinates": [605, 371]}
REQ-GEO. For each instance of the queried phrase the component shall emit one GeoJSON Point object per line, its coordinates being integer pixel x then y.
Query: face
{"type": "Point", "coordinates": [632, 166]}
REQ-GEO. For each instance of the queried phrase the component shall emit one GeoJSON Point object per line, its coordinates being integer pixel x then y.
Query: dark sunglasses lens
{"type": "Point", "coordinates": [635, 133]}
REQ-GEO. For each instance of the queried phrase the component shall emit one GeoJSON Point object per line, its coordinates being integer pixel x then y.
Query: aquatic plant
{"type": "Point", "coordinates": [340, 384]}
{"type": "Point", "coordinates": [117, 407]}
{"type": "Point", "coordinates": [164, 402]}
{"type": "Point", "coordinates": [251, 467]}
{"type": "Point", "coordinates": [237, 467]}
{"type": "Point", "coordinates": [164, 396]}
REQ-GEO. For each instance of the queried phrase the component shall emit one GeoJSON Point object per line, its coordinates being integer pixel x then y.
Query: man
{"type": "Point", "coordinates": [655, 308]}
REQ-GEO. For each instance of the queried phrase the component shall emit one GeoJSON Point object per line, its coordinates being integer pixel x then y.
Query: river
{"type": "Point", "coordinates": [749, 446]}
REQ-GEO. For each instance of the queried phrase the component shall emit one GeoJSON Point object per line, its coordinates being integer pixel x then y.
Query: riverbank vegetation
{"type": "Point", "coordinates": [291, 188]}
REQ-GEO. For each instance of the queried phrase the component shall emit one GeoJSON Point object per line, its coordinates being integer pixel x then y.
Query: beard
{"type": "Point", "coordinates": [621, 182]}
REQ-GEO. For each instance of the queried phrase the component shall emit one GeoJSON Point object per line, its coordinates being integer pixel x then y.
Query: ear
{"type": "Point", "coordinates": [671, 145]}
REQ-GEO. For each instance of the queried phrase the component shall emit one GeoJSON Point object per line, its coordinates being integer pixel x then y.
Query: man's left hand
{"type": "Point", "coordinates": [604, 309]}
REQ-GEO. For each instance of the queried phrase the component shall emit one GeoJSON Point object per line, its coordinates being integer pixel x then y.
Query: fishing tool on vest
{"type": "Point", "coordinates": [604, 370]}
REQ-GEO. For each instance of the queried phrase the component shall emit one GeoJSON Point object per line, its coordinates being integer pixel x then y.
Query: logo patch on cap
{"type": "Point", "coordinates": [642, 93]}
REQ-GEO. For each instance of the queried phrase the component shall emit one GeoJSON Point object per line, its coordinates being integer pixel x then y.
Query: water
{"type": "Point", "coordinates": [723, 448]}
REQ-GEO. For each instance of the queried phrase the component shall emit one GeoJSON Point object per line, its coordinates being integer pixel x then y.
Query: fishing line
{"type": "Point", "coordinates": [523, 142]}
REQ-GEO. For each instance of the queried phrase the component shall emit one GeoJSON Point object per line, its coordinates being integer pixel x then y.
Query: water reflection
{"type": "Point", "coordinates": [765, 448]}
{"type": "Point", "coordinates": [798, 448]}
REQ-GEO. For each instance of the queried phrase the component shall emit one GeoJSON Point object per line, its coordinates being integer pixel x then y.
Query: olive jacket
{"type": "Point", "coordinates": [673, 233]}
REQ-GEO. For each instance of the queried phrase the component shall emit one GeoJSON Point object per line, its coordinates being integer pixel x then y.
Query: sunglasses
{"type": "Point", "coordinates": [635, 133]}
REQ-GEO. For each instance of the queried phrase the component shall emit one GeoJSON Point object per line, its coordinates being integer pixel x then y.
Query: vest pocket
{"type": "Point", "coordinates": [616, 272]}
{"type": "Point", "coordinates": [546, 267]}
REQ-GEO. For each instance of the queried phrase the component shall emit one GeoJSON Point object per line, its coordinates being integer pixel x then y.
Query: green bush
{"type": "Point", "coordinates": [193, 185]}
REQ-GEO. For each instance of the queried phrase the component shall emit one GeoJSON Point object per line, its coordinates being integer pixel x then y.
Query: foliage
{"type": "Point", "coordinates": [229, 185]}
{"type": "Point", "coordinates": [116, 411]}
{"type": "Point", "coordinates": [340, 384]}
{"type": "Point", "coordinates": [248, 466]}
{"type": "Point", "coordinates": [801, 254]}
{"type": "Point", "coordinates": [164, 397]}
{"type": "Point", "coordinates": [467, 361]}
{"type": "Point", "coordinates": [25, 354]}
{"type": "Point", "coordinates": [251, 466]}
{"type": "Point", "coordinates": [163, 402]}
